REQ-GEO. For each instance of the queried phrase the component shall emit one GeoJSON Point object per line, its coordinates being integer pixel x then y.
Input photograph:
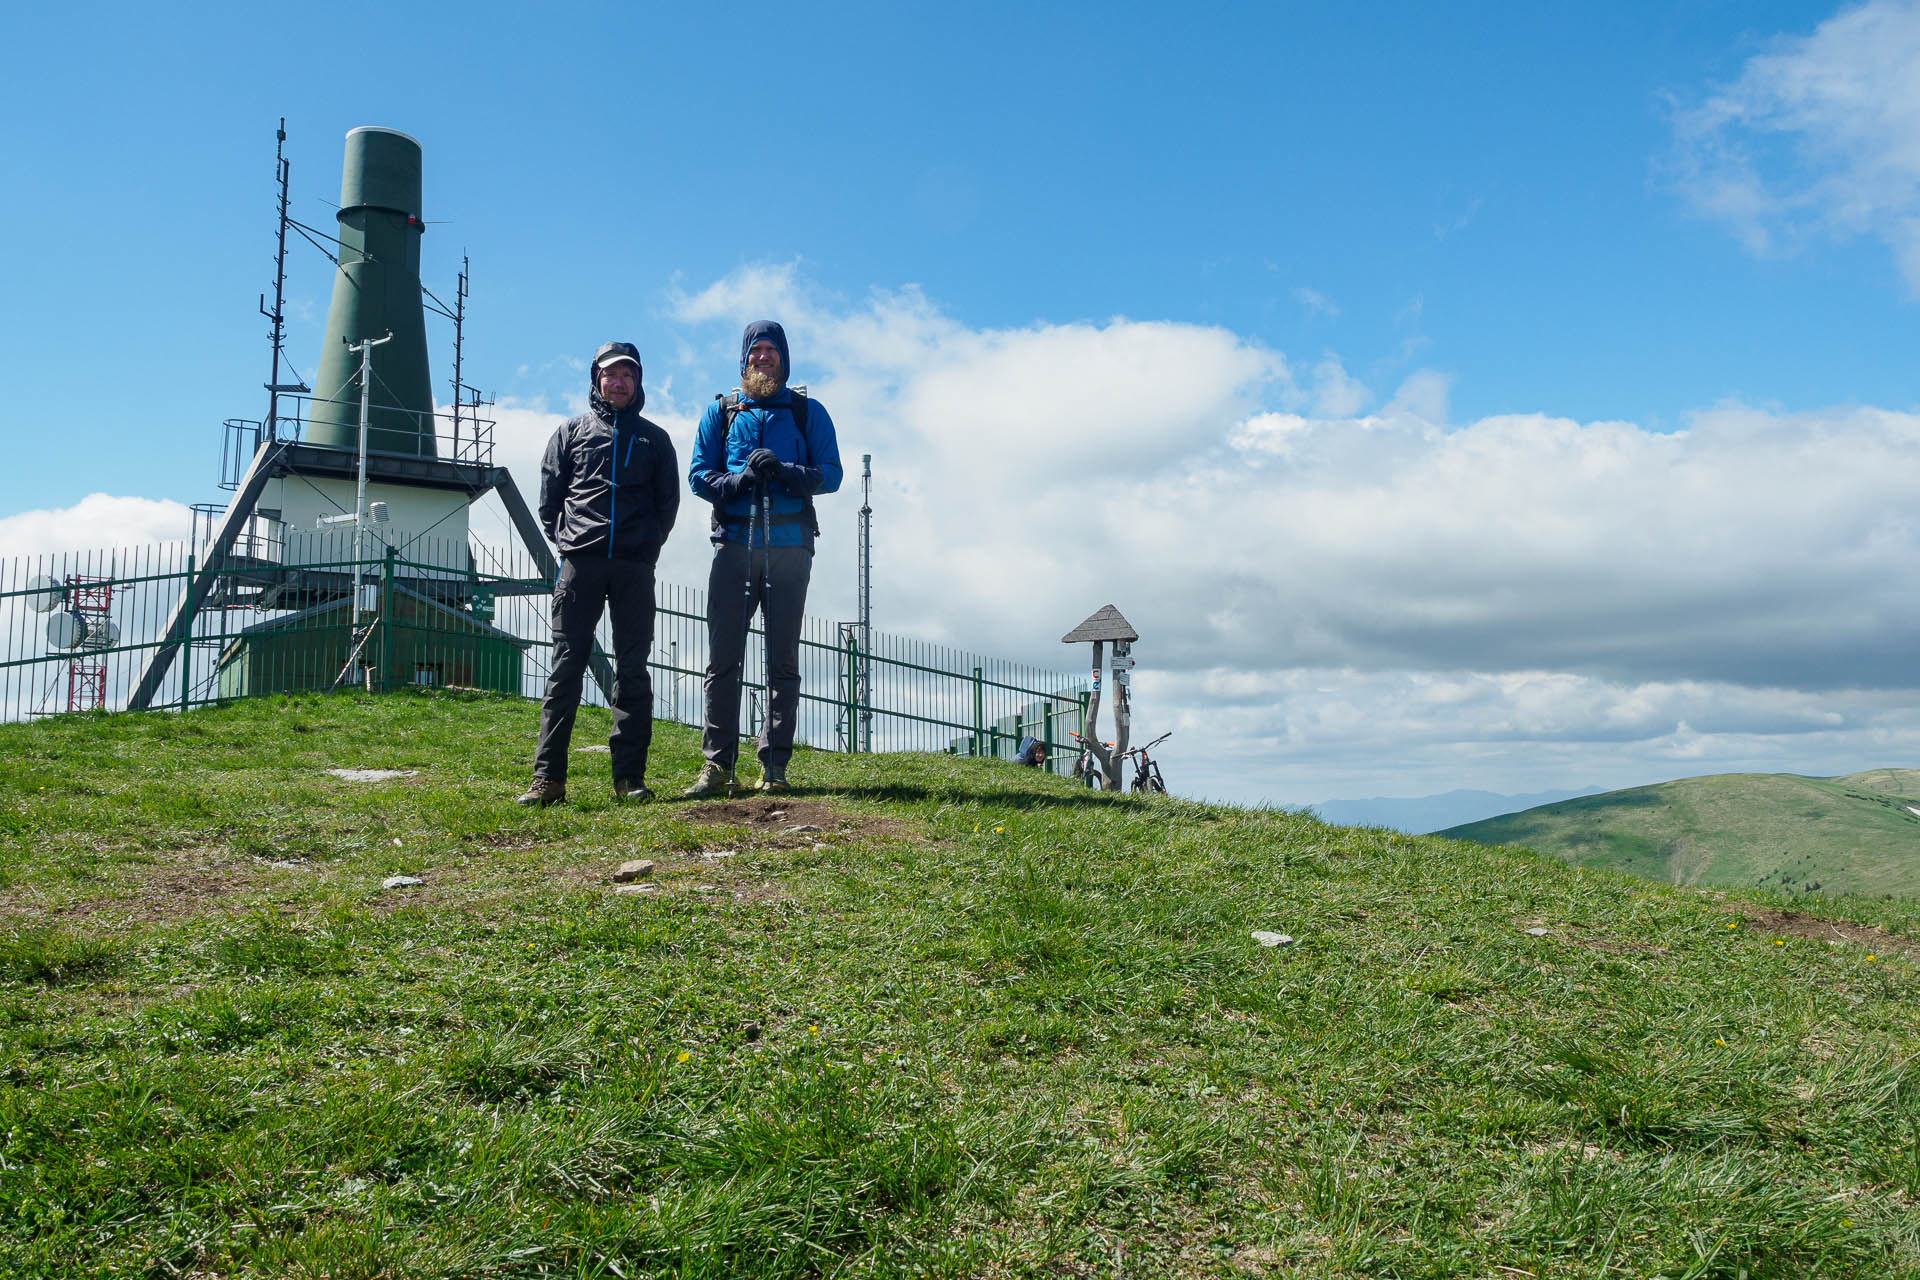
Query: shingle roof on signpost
{"type": "Point", "coordinates": [1105, 624]}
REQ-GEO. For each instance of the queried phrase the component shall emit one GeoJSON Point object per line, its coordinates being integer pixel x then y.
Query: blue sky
{"type": "Point", "coordinates": [1400, 273]}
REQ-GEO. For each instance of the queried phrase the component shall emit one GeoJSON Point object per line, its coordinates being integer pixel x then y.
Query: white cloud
{"type": "Point", "coordinates": [1336, 394]}
{"type": "Point", "coordinates": [1820, 135]}
{"type": "Point", "coordinates": [1315, 302]}
{"type": "Point", "coordinates": [1442, 230]}
{"type": "Point", "coordinates": [1334, 599]}
{"type": "Point", "coordinates": [1522, 594]}
{"type": "Point", "coordinates": [98, 520]}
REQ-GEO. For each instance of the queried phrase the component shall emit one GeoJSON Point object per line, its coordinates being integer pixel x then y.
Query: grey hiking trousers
{"type": "Point", "coordinates": [779, 593]}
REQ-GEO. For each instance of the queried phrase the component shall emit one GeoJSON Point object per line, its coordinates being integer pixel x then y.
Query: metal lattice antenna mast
{"type": "Point", "coordinates": [282, 167]}
{"type": "Point", "coordinates": [864, 686]}
{"type": "Point", "coordinates": [459, 323]}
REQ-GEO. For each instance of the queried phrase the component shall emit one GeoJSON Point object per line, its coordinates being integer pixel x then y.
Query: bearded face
{"type": "Point", "coordinates": [760, 385]}
{"type": "Point", "coordinates": [764, 374]}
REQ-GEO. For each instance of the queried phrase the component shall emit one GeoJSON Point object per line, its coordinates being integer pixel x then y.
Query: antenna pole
{"type": "Point", "coordinates": [864, 678]}
{"type": "Point", "coordinates": [365, 348]}
{"type": "Point", "coordinates": [459, 321]}
{"type": "Point", "coordinates": [278, 315]}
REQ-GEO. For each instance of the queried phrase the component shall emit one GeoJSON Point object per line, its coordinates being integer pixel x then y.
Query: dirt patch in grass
{"type": "Point", "coordinates": [507, 840]}
{"type": "Point", "coordinates": [676, 875]}
{"type": "Point", "coordinates": [771, 817]}
{"type": "Point", "coordinates": [1795, 925]}
{"type": "Point", "coordinates": [176, 885]}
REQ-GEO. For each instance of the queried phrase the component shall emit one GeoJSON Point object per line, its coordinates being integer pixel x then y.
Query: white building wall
{"type": "Point", "coordinates": [427, 526]}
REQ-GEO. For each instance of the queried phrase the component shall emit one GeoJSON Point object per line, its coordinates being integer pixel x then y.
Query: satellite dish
{"type": "Point", "coordinates": [103, 635]}
{"type": "Point", "coordinates": [66, 630]}
{"type": "Point", "coordinates": [47, 596]}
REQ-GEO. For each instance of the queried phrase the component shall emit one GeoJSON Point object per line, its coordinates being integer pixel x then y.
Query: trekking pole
{"type": "Point", "coordinates": [746, 613]}
{"type": "Point", "coordinates": [766, 606]}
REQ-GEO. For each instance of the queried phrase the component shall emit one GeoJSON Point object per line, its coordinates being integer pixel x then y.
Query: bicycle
{"type": "Point", "coordinates": [1084, 765]}
{"type": "Point", "coordinates": [1146, 772]}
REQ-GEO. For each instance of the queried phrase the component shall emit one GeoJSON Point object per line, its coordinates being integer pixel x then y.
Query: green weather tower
{"type": "Point", "coordinates": [298, 493]}
{"type": "Point", "coordinates": [375, 292]}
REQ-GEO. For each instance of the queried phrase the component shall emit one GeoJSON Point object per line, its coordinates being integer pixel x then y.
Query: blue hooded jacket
{"type": "Point", "coordinates": [810, 459]}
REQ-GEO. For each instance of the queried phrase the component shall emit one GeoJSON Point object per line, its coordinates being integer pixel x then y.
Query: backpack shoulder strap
{"type": "Point", "coordinates": [730, 406]}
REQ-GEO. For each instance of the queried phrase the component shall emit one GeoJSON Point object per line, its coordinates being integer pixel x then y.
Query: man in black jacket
{"type": "Point", "coordinates": [609, 492]}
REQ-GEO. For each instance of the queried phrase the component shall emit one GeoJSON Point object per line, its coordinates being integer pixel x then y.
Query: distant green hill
{"type": "Point", "coordinates": [1858, 834]}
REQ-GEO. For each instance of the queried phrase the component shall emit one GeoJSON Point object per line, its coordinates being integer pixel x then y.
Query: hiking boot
{"type": "Point", "coordinates": [543, 792]}
{"type": "Point", "coordinates": [628, 789]}
{"type": "Point", "coordinates": [772, 779]}
{"type": "Point", "coordinates": [713, 781]}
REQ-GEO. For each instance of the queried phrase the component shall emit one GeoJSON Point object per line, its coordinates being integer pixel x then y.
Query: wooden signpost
{"type": "Point", "coordinates": [1105, 625]}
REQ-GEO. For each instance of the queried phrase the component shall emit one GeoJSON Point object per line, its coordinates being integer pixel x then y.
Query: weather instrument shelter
{"type": "Point", "coordinates": [425, 642]}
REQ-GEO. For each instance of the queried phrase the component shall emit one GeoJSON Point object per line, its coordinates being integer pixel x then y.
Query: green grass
{"type": "Point", "coordinates": [982, 1023]}
{"type": "Point", "coordinates": [1852, 836]}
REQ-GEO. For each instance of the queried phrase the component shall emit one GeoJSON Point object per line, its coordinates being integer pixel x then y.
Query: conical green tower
{"type": "Point", "coordinates": [377, 290]}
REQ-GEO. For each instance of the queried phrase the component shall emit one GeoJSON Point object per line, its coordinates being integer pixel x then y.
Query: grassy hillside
{"type": "Point", "coordinates": [979, 1023]}
{"type": "Point", "coordinates": [1857, 835]}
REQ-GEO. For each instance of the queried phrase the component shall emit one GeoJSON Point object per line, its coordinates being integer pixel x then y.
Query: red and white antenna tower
{"type": "Point", "coordinates": [90, 600]}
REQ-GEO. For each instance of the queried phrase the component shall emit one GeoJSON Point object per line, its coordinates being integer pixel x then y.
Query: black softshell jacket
{"type": "Point", "coordinates": [609, 485]}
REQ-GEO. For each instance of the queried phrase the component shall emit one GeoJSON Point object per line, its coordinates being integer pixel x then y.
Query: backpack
{"type": "Point", "coordinates": [729, 410]}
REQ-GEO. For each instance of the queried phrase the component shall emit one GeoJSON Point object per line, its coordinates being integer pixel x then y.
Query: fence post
{"type": "Point", "coordinates": [184, 654]}
{"type": "Point", "coordinates": [386, 623]}
{"type": "Point", "coordinates": [853, 693]}
{"type": "Point", "coordinates": [979, 715]}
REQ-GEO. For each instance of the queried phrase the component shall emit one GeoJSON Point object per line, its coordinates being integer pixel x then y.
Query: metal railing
{"type": "Point", "coordinates": [459, 437]}
{"type": "Point", "coordinates": [79, 630]}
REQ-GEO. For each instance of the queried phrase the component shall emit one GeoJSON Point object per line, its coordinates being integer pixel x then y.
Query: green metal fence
{"type": "Point", "coordinates": [80, 631]}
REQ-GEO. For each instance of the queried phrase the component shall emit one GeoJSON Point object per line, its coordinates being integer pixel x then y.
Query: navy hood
{"type": "Point", "coordinates": [772, 332]}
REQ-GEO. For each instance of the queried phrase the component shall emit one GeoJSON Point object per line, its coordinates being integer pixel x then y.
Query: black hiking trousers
{"type": "Point", "coordinates": [779, 594]}
{"type": "Point", "coordinates": [588, 585]}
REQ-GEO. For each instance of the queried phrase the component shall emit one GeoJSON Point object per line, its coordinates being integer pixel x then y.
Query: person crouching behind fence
{"type": "Point", "coordinates": [761, 453]}
{"type": "Point", "coordinates": [609, 492]}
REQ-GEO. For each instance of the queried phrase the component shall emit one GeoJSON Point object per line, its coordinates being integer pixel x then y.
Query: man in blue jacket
{"type": "Point", "coordinates": [609, 492]}
{"type": "Point", "coordinates": [762, 443]}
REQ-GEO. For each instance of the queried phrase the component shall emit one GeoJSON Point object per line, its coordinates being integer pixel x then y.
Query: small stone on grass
{"type": "Point", "coordinates": [635, 888]}
{"type": "Point", "coordinates": [638, 869]}
{"type": "Point", "coordinates": [1537, 932]}
{"type": "Point", "coordinates": [1269, 939]}
{"type": "Point", "coordinates": [401, 882]}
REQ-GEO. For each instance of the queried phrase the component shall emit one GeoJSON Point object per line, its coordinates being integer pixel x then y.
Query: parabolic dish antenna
{"type": "Point", "coordinates": [47, 594]}
{"type": "Point", "coordinates": [102, 634]}
{"type": "Point", "coordinates": [66, 630]}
